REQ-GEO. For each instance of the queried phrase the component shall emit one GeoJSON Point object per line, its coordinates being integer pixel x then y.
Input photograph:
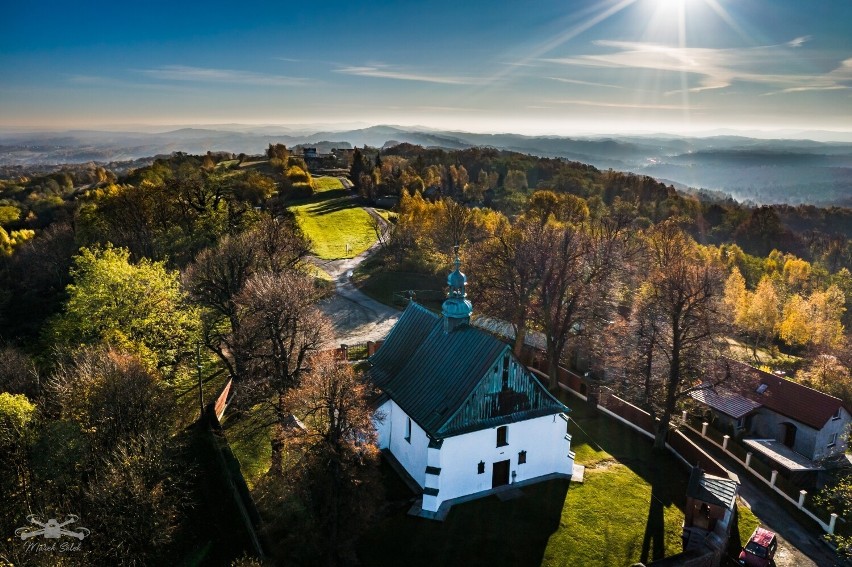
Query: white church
{"type": "Point", "coordinates": [461, 414]}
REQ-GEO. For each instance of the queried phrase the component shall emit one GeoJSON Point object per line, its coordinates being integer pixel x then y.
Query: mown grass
{"type": "Point", "coordinates": [323, 184]}
{"type": "Point", "coordinates": [335, 223]}
{"type": "Point", "coordinates": [628, 508]}
{"type": "Point", "coordinates": [746, 522]}
{"type": "Point", "coordinates": [338, 228]}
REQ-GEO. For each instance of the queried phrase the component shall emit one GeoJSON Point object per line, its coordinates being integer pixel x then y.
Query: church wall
{"type": "Point", "coordinates": [542, 438]}
{"type": "Point", "coordinates": [411, 455]}
{"type": "Point", "coordinates": [383, 426]}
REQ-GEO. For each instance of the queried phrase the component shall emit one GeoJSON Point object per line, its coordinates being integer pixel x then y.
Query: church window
{"type": "Point", "coordinates": [502, 436]}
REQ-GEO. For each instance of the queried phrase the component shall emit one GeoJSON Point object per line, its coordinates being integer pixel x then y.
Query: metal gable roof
{"type": "Point", "coordinates": [712, 489]}
{"type": "Point", "coordinates": [729, 403]}
{"type": "Point", "coordinates": [406, 336]}
{"type": "Point", "coordinates": [430, 373]}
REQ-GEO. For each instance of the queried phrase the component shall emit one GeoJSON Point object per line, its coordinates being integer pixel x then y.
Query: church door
{"type": "Point", "coordinates": [500, 474]}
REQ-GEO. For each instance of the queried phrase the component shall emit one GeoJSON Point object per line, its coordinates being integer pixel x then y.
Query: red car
{"type": "Point", "coordinates": [760, 549]}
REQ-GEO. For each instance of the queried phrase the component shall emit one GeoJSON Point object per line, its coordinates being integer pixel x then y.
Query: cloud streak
{"type": "Point", "coordinates": [715, 68]}
{"type": "Point", "coordinates": [589, 83]}
{"type": "Point", "coordinates": [387, 72]}
{"type": "Point", "coordinates": [230, 76]}
{"type": "Point", "coordinates": [627, 105]}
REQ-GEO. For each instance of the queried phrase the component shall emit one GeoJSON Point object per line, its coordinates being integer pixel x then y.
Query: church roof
{"type": "Point", "coordinates": [439, 378]}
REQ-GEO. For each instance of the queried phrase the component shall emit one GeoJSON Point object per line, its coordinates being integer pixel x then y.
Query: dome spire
{"type": "Point", "coordinates": [456, 309]}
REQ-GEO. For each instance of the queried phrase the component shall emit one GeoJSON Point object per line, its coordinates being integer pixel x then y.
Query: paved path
{"type": "Point", "coordinates": [797, 546]}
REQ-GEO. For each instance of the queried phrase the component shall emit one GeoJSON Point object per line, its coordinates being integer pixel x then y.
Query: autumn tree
{"type": "Point", "coordinates": [133, 491]}
{"type": "Point", "coordinates": [828, 374]}
{"type": "Point", "coordinates": [280, 327]}
{"type": "Point", "coordinates": [506, 273]}
{"type": "Point", "coordinates": [335, 468]}
{"type": "Point", "coordinates": [678, 322]}
{"type": "Point", "coordinates": [516, 180]}
{"type": "Point", "coordinates": [762, 314]}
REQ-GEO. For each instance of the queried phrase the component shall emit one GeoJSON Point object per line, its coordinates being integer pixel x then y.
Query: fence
{"type": "Point", "coordinates": [360, 351]}
{"type": "Point", "coordinates": [229, 467]}
{"type": "Point", "coordinates": [636, 418]}
{"type": "Point", "coordinates": [757, 470]}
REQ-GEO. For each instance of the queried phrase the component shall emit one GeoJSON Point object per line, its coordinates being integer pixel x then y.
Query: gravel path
{"type": "Point", "coordinates": [356, 317]}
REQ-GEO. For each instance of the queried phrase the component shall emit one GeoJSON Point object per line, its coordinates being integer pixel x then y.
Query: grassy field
{"type": "Point", "coordinates": [335, 223]}
{"type": "Point", "coordinates": [627, 509]}
{"type": "Point", "coordinates": [249, 437]}
{"type": "Point", "coordinates": [774, 360]}
{"type": "Point", "coordinates": [338, 228]}
{"type": "Point", "coordinates": [378, 282]}
{"type": "Point", "coordinates": [323, 184]}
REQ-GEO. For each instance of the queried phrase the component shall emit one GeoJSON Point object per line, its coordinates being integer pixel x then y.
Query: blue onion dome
{"type": "Point", "coordinates": [456, 279]}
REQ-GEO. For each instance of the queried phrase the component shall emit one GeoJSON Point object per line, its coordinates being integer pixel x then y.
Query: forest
{"type": "Point", "coordinates": [118, 289]}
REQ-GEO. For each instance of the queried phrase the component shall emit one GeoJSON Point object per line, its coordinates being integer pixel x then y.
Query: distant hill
{"type": "Point", "coordinates": [756, 170]}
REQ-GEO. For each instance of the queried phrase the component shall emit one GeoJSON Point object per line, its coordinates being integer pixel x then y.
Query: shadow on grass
{"type": "Point", "coordinates": [654, 541]}
{"type": "Point", "coordinates": [321, 197]}
{"type": "Point", "coordinates": [601, 437]}
{"type": "Point", "coordinates": [484, 532]}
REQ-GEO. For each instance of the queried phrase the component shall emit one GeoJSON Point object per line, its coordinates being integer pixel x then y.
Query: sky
{"type": "Point", "coordinates": [558, 67]}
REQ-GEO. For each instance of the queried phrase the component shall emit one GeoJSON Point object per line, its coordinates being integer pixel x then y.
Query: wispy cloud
{"type": "Point", "coordinates": [628, 105]}
{"type": "Point", "coordinates": [589, 83]}
{"type": "Point", "coordinates": [715, 68]}
{"type": "Point", "coordinates": [799, 41]}
{"type": "Point", "coordinates": [232, 76]}
{"type": "Point", "coordinates": [388, 72]}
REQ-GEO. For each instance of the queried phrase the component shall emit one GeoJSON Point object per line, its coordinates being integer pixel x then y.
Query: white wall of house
{"type": "Point", "coordinates": [382, 420]}
{"type": "Point", "coordinates": [832, 438]}
{"type": "Point", "coordinates": [543, 439]}
{"type": "Point", "coordinates": [410, 454]}
{"type": "Point", "coordinates": [814, 444]}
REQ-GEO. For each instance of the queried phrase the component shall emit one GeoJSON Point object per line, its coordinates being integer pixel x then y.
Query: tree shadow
{"type": "Point", "coordinates": [654, 541]}
{"type": "Point", "coordinates": [333, 205]}
{"type": "Point", "coordinates": [487, 532]}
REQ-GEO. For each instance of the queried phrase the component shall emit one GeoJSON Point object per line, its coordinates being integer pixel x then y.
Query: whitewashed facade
{"type": "Point", "coordinates": [460, 413]}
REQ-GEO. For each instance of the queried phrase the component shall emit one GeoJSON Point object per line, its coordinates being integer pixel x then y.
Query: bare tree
{"type": "Point", "coordinates": [219, 274]}
{"type": "Point", "coordinates": [677, 324]}
{"type": "Point", "coordinates": [576, 266]}
{"type": "Point", "coordinates": [338, 466]}
{"type": "Point", "coordinates": [506, 273]}
{"type": "Point", "coordinates": [280, 326]}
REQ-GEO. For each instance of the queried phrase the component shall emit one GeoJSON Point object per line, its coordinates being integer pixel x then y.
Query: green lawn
{"type": "Point", "coordinates": [628, 509]}
{"type": "Point", "coordinates": [323, 184]}
{"type": "Point", "coordinates": [335, 223]}
{"type": "Point", "coordinates": [249, 436]}
{"type": "Point", "coordinates": [338, 228]}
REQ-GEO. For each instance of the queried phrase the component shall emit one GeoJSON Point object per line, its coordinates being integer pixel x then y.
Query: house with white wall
{"type": "Point", "coordinates": [458, 411]}
{"type": "Point", "coordinates": [777, 415]}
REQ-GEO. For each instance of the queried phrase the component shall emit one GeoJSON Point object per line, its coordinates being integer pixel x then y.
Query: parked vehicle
{"type": "Point", "coordinates": [760, 549]}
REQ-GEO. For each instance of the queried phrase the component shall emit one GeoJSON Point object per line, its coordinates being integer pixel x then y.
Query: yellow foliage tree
{"type": "Point", "coordinates": [795, 328]}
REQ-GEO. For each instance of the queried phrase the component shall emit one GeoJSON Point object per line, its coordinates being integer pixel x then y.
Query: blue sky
{"type": "Point", "coordinates": [558, 67]}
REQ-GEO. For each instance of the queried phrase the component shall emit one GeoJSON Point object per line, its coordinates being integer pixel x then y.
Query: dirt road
{"type": "Point", "coordinates": [356, 318]}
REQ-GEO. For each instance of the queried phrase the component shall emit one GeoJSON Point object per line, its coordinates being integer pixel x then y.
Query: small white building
{"type": "Point", "coordinates": [460, 413]}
